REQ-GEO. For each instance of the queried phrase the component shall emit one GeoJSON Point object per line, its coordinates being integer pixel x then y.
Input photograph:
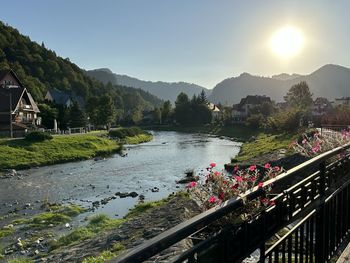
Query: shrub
{"type": "Point", "coordinates": [37, 136]}
{"type": "Point", "coordinates": [217, 187]}
{"type": "Point", "coordinates": [287, 120]}
{"type": "Point", "coordinates": [313, 143]}
{"type": "Point", "coordinates": [122, 133]}
{"type": "Point", "coordinates": [256, 121]}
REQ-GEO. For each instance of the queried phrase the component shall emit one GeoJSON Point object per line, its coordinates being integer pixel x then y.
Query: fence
{"type": "Point", "coordinates": [315, 210]}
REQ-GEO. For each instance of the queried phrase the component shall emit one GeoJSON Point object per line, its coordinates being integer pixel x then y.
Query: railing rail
{"type": "Point", "coordinates": [299, 202]}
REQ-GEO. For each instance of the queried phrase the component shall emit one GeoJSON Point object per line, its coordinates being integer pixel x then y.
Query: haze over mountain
{"type": "Point", "coordinates": [330, 81]}
{"type": "Point", "coordinates": [163, 90]}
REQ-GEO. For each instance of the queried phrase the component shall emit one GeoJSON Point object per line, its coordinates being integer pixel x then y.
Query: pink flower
{"type": "Point", "coordinates": [260, 185]}
{"type": "Point", "coordinates": [315, 149]}
{"type": "Point", "coordinates": [212, 165]}
{"type": "Point", "coordinates": [212, 199]}
{"type": "Point", "coordinates": [238, 178]}
{"type": "Point", "coordinates": [233, 187]}
{"type": "Point", "coordinates": [252, 168]}
{"type": "Point", "coordinates": [191, 185]}
{"type": "Point", "coordinates": [276, 168]}
{"type": "Point", "coordinates": [252, 178]}
{"type": "Point", "coordinates": [304, 141]}
{"type": "Point", "coordinates": [216, 173]}
{"type": "Point", "coordinates": [267, 166]}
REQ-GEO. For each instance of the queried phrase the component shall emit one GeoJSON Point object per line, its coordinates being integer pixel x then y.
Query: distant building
{"type": "Point", "coordinates": [241, 111]}
{"type": "Point", "coordinates": [342, 101]}
{"type": "Point", "coordinates": [215, 111]}
{"type": "Point", "coordinates": [321, 106]}
{"type": "Point", "coordinates": [64, 98]}
{"type": "Point", "coordinates": [24, 110]}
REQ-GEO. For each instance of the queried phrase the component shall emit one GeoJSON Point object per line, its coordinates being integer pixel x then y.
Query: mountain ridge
{"type": "Point", "coordinates": [162, 89]}
{"type": "Point", "coordinates": [330, 81]}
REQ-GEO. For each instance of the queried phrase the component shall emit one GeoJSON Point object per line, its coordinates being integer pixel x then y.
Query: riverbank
{"type": "Point", "coordinates": [22, 154]}
{"type": "Point", "coordinates": [237, 132]}
{"type": "Point", "coordinates": [51, 236]}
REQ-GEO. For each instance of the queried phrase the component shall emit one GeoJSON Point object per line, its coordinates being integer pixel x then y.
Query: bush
{"type": "Point", "coordinates": [122, 133]}
{"type": "Point", "coordinates": [287, 120]}
{"type": "Point", "coordinates": [255, 121]}
{"type": "Point", "coordinates": [38, 136]}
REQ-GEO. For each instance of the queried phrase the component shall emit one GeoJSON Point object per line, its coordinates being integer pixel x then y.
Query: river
{"type": "Point", "coordinates": [158, 163]}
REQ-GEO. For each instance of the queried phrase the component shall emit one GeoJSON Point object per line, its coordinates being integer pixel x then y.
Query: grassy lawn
{"type": "Point", "coordinates": [21, 154]}
{"type": "Point", "coordinates": [138, 139]}
{"type": "Point", "coordinates": [241, 133]}
{"type": "Point", "coordinates": [264, 143]}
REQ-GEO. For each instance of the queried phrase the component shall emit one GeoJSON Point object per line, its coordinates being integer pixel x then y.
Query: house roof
{"type": "Point", "coordinates": [62, 97]}
{"type": "Point", "coordinates": [15, 92]}
{"type": "Point", "coordinates": [32, 102]}
{"type": "Point", "coordinates": [256, 99]}
{"type": "Point", "coordinates": [59, 96]}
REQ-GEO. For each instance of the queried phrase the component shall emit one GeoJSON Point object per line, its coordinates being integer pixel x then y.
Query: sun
{"type": "Point", "coordinates": [287, 42]}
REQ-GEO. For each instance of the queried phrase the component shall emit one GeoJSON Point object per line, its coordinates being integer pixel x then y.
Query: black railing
{"type": "Point", "coordinates": [307, 223]}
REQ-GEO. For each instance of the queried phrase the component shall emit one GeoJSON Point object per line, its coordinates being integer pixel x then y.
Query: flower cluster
{"type": "Point", "coordinates": [314, 143]}
{"type": "Point", "coordinates": [216, 187]}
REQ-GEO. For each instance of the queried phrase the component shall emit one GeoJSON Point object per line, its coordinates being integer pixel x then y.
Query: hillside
{"type": "Point", "coordinates": [163, 90]}
{"type": "Point", "coordinates": [41, 69]}
{"type": "Point", "coordinates": [330, 81]}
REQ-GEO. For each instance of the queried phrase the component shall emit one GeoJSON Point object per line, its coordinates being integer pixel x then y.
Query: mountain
{"type": "Point", "coordinates": [40, 69]}
{"type": "Point", "coordinates": [330, 81]}
{"type": "Point", "coordinates": [163, 90]}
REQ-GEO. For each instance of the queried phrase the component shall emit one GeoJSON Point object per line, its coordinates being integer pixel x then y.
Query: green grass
{"type": "Point", "coordinates": [57, 215]}
{"type": "Point", "coordinates": [97, 224]}
{"type": "Point", "coordinates": [20, 260]}
{"type": "Point", "coordinates": [6, 232]}
{"type": "Point", "coordinates": [20, 154]}
{"type": "Point", "coordinates": [264, 143]}
{"type": "Point", "coordinates": [138, 139]}
{"type": "Point", "coordinates": [241, 133]}
{"type": "Point", "coordinates": [116, 250]}
{"type": "Point", "coordinates": [143, 207]}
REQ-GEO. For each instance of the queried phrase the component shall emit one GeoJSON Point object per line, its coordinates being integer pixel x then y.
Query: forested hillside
{"type": "Point", "coordinates": [40, 69]}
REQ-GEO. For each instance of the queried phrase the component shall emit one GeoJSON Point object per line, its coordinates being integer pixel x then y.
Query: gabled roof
{"type": "Point", "coordinates": [15, 92]}
{"type": "Point", "coordinates": [257, 99]}
{"type": "Point", "coordinates": [59, 97]}
{"type": "Point", "coordinates": [16, 95]}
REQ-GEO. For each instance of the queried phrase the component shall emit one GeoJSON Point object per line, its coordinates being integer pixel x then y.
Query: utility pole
{"type": "Point", "coordinates": [11, 129]}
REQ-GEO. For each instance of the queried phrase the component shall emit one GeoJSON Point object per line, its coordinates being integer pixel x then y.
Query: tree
{"type": "Point", "coordinates": [202, 98]}
{"type": "Point", "coordinates": [92, 110]}
{"type": "Point", "coordinates": [182, 110]}
{"type": "Point", "coordinates": [48, 114]}
{"type": "Point", "coordinates": [157, 115]}
{"type": "Point", "coordinates": [106, 112]}
{"type": "Point", "coordinates": [77, 117]}
{"type": "Point", "coordinates": [299, 95]}
{"type": "Point", "coordinates": [166, 109]}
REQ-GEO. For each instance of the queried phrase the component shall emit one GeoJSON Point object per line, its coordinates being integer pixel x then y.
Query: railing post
{"type": "Point", "coordinates": [320, 256]}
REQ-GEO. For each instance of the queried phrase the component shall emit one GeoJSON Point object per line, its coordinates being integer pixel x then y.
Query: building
{"type": "Point", "coordinates": [16, 101]}
{"type": "Point", "coordinates": [215, 111]}
{"type": "Point", "coordinates": [321, 106]}
{"type": "Point", "coordinates": [241, 111]}
{"type": "Point", "coordinates": [342, 101]}
{"type": "Point", "coordinates": [64, 98]}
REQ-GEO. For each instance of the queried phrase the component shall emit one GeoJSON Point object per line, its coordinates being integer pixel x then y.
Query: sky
{"type": "Point", "coordinates": [197, 41]}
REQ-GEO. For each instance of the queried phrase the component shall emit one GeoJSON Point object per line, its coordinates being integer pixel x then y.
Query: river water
{"type": "Point", "coordinates": [158, 163]}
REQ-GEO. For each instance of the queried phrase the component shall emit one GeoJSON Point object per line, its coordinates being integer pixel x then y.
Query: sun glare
{"type": "Point", "coordinates": [286, 42]}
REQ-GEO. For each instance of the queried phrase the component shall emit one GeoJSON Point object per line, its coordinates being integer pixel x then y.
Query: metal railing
{"type": "Point", "coordinates": [316, 210]}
